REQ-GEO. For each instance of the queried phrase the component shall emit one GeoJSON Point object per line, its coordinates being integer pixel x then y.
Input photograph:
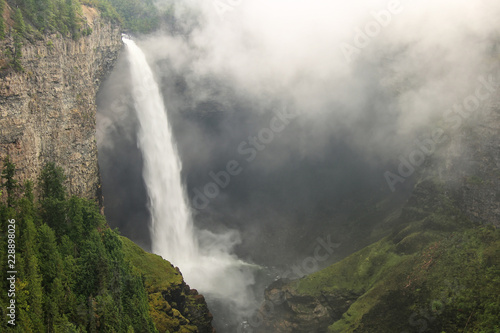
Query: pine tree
{"type": "Point", "coordinates": [44, 18]}
{"type": "Point", "coordinates": [10, 185]}
{"type": "Point", "coordinates": [32, 275]}
{"type": "Point", "coordinates": [2, 22]}
{"type": "Point", "coordinates": [72, 20]}
{"type": "Point", "coordinates": [19, 25]}
{"type": "Point", "coordinates": [53, 194]}
{"type": "Point", "coordinates": [51, 182]}
{"type": "Point", "coordinates": [48, 254]}
{"type": "Point", "coordinates": [19, 30]}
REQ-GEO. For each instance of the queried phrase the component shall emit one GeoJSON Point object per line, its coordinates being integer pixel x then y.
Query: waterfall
{"type": "Point", "coordinates": [171, 225]}
{"type": "Point", "coordinates": [210, 267]}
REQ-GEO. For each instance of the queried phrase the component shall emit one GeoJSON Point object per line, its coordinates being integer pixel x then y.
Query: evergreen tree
{"type": "Point", "coordinates": [19, 30]}
{"type": "Point", "coordinates": [19, 25]}
{"type": "Point", "coordinates": [10, 185]}
{"type": "Point", "coordinates": [72, 19]}
{"type": "Point", "coordinates": [48, 255]}
{"type": "Point", "coordinates": [33, 277]}
{"type": "Point", "coordinates": [2, 22]}
{"type": "Point", "coordinates": [53, 194]}
{"type": "Point", "coordinates": [29, 9]}
{"type": "Point", "coordinates": [75, 218]}
{"type": "Point", "coordinates": [27, 202]}
{"type": "Point", "coordinates": [75, 281]}
{"type": "Point", "coordinates": [52, 182]}
{"type": "Point", "coordinates": [44, 18]}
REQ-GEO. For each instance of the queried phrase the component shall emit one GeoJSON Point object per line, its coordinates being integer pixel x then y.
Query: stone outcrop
{"type": "Point", "coordinates": [48, 110]}
{"type": "Point", "coordinates": [286, 310]}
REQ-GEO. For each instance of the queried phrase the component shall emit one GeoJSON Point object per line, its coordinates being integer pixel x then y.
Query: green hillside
{"type": "Point", "coordinates": [75, 274]}
{"type": "Point", "coordinates": [437, 272]}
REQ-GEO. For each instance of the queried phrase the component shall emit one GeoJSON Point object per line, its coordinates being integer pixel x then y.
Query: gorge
{"type": "Point", "coordinates": [344, 219]}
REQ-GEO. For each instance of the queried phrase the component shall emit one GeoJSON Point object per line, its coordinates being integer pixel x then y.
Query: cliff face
{"type": "Point", "coordinates": [48, 111]}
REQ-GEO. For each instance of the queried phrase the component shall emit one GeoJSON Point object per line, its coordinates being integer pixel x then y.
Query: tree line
{"type": "Point", "coordinates": [72, 276]}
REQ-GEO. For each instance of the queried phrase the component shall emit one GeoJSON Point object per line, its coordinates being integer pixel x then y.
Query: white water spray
{"type": "Point", "coordinates": [211, 268]}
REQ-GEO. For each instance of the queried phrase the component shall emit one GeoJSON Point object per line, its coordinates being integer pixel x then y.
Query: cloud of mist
{"type": "Point", "coordinates": [225, 79]}
{"type": "Point", "coordinates": [422, 61]}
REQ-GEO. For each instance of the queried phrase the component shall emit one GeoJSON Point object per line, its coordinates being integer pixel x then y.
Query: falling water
{"type": "Point", "coordinates": [171, 225]}
{"type": "Point", "coordinates": [209, 267]}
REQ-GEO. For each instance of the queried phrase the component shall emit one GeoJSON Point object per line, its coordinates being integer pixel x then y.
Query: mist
{"type": "Point", "coordinates": [288, 114]}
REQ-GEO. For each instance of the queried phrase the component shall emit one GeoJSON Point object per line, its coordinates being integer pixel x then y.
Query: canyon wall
{"type": "Point", "coordinates": [48, 110]}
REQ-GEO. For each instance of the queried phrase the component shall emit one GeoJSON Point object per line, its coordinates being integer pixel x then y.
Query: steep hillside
{"type": "Point", "coordinates": [69, 272]}
{"type": "Point", "coordinates": [174, 307]}
{"type": "Point", "coordinates": [438, 270]}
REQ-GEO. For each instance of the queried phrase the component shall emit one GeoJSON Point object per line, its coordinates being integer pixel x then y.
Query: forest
{"type": "Point", "coordinates": [33, 18]}
{"type": "Point", "coordinates": [71, 272]}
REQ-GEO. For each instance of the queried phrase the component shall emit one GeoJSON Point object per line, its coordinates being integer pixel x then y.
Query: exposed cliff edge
{"type": "Point", "coordinates": [174, 306]}
{"type": "Point", "coordinates": [48, 110]}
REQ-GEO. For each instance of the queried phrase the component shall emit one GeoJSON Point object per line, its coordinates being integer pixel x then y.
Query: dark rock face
{"type": "Point", "coordinates": [286, 310]}
{"type": "Point", "coordinates": [191, 306]}
{"type": "Point", "coordinates": [48, 111]}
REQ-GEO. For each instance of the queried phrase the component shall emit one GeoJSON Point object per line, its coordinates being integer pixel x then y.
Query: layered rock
{"type": "Point", "coordinates": [48, 110]}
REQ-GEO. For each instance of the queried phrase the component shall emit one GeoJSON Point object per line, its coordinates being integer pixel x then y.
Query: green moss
{"type": "Point", "coordinates": [357, 272]}
{"type": "Point", "coordinates": [436, 271]}
{"type": "Point", "coordinates": [451, 282]}
{"type": "Point", "coordinates": [158, 273]}
{"type": "Point", "coordinates": [170, 307]}
{"type": "Point", "coordinates": [474, 180]}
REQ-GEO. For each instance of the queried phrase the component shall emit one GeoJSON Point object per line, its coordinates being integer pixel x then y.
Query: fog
{"type": "Point", "coordinates": [289, 114]}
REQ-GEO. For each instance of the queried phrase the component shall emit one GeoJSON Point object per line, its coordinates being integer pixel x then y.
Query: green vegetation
{"type": "Point", "coordinates": [171, 308]}
{"type": "Point", "coordinates": [139, 16]}
{"type": "Point", "coordinates": [48, 16]}
{"type": "Point", "coordinates": [438, 273]}
{"type": "Point", "coordinates": [451, 284]}
{"type": "Point", "coordinates": [107, 10]}
{"type": "Point", "coordinates": [19, 31]}
{"type": "Point", "coordinates": [75, 274]}
{"type": "Point", "coordinates": [66, 16]}
{"type": "Point", "coordinates": [2, 21]}
{"type": "Point", "coordinates": [31, 20]}
{"type": "Point", "coordinates": [72, 273]}
{"type": "Point", "coordinates": [474, 180]}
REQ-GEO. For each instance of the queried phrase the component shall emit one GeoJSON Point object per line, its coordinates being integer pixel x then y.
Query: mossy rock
{"type": "Point", "coordinates": [173, 306]}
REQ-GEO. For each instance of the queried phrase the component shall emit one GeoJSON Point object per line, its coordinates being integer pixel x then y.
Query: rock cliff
{"type": "Point", "coordinates": [48, 110]}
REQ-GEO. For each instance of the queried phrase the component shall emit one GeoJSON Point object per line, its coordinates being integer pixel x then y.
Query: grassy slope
{"type": "Point", "coordinates": [163, 284]}
{"type": "Point", "coordinates": [437, 273]}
